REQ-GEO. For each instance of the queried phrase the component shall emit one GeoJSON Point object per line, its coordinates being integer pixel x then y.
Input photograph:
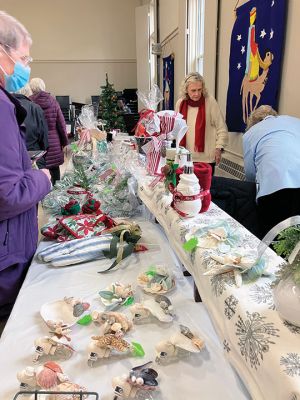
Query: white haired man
{"type": "Point", "coordinates": [271, 156]}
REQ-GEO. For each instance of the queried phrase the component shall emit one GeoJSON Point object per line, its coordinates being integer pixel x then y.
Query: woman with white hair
{"type": "Point", "coordinates": [21, 187]}
{"type": "Point", "coordinates": [57, 133]}
{"type": "Point", "coordinates": [271, 158]}
{"type": "Point", "coordinates": [207, 132]}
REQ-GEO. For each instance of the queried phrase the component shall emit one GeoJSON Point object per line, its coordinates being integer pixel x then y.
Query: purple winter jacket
{"type": "Point", "coordinates": [57, 133]}
{"type": "Point", "coordinates": [21, 187]}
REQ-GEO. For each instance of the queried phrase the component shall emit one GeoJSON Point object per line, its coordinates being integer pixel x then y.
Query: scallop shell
{"type": "Point", "coordinates": [60, 311]}
{"type": "Point", "coordinates": [118, 289]}
{"type": "Point", "coordinates": [155, 284]}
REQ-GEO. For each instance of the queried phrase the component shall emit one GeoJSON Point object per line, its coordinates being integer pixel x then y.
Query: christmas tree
{"type": "Point", "coordinates": [108, 108]}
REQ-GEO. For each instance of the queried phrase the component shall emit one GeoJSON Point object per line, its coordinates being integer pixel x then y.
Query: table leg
{"type": "Point", "coordinates": [197, 296]}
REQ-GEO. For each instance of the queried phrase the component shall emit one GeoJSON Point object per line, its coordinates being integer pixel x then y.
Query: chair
{"type": "Point", "coordinates": [65, 106]}
{"type": "Point", "coordinates": [237, 198]}
{"type": "Point", "coordinates": [95, 103]}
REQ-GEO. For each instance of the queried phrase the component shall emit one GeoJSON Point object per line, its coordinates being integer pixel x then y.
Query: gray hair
{"type": "Point", "coordinates": [26, 90]}
{"type": "Point", "coordinates": [37, 85]}
{"type": "Point", "coordinates": [191, 78]}
{"type": "Point", "coordinates": [260, 114]}
{"type": "Point", "coordinates": [12, 33]}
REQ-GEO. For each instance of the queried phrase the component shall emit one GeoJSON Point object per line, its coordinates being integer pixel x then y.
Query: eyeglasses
{"type": "Point", "coordinates": [25, 59]}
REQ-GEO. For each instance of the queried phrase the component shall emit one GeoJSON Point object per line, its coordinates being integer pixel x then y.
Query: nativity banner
{"type": "Point", "coordinates": [255, 59]}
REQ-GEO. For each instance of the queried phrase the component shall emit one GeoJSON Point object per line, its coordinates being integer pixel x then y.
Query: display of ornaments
{"type": "Point", "coordinates": [156, 280]}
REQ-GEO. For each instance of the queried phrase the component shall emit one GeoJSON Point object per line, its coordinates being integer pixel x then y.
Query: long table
{"type": "Point", "coordinates": [206, 375]}
{"type": "Point", "coordinates": [263, 349]}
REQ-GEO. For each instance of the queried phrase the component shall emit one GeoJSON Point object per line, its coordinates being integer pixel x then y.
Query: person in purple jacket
{"type": "Point", "coordinates": [21, 187]}
{"type": "Point", "coordinates": [57, 133]}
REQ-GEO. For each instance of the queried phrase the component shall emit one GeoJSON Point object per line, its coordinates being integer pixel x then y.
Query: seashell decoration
{"type": "Point", "coordinates": [157, 280]}
{"type": "Point", "coordinates": [66, 311]}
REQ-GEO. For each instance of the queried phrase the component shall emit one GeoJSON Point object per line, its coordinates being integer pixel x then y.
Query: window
{"type": "Point", "coordinates": [195, 35]}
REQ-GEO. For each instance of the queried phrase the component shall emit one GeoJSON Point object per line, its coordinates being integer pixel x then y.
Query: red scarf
{"type": "Point", "coordinates": [200, 122]}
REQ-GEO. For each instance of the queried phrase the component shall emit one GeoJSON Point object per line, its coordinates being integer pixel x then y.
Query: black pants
{"type": "Point", "coordinates": [55, 174]}
{"type": "Point", "coordinates": [213, 166]}
{"type": "Point", "coordinates": [276, 207]}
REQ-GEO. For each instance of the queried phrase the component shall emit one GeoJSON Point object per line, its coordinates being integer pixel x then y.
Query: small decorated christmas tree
{"type": "Point", "coordinates": [108, 108]}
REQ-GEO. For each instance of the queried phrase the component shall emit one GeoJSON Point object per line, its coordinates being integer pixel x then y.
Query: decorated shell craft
{"type": "Point", "coordinates": [246, 266]}
{"type": "Point", "coordinates": [112, 322]}
{"type": "Point", "coordinates": [156, 280]}
{"type": "Point", "coordinates": [160, 307]}
{"type": "Point", "coordinates": [180, 344]}
{"type": "Point", "coordinates": [103, 346]}
{"type": "Point", "coordinates": [139, 379]}
{"type": "Point", "coordinates": [116, 294]}
{"type": "Point", "coordinates": [55, 345]}
{"type": "Point", "coordinates": [220, 236]}
{"type": "Point", "coordinates": [50, 376]}
{"type": "Point", "coordinates": [43, 377]}
{"type": "Point", "coordinates": [66, 311]}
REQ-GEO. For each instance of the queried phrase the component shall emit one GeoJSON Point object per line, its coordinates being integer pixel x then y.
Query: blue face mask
{"type": "Point", "coordinates": [18, 78]}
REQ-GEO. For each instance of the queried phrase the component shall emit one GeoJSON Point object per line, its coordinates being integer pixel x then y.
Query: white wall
{"type": "Point", "coordinates": [172, 21]}
{"type": "Point", "coordinates": [76, 42]}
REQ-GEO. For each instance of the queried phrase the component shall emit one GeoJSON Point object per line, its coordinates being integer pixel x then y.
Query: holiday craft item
{"type": "Point", "coordinates": [55, 345]}
{"type": "Point", "coordinates": [217, 236]}
{"type": "Point", "coordinates": [112, 322]}
{"type": "Point", "coordinates": [49, 377]}
{"type": "Point", "coordinates": [107, 345]}
{"type": "Point", "coordinates": [116, 295]}
{"type": "Point", "coordinates": [159, 307]}
{"type": "Point", "coordinates": [243, 264]}
{"type": "Point", "coordinates": [65, 312]}
{"type": "Point", "coordinates": [178, 345]}
{"type": "Point", "coordinates": [140, 383]}
{"type": "Point", "coordinates": [156, 280]}
{"type": "Point", "coordinates": [187, 197]}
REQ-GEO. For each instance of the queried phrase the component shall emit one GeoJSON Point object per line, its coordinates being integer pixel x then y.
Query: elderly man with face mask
{"type": "Point", "coordinates": [21, 187]}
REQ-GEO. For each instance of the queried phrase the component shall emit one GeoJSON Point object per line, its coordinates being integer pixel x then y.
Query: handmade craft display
{"type": "Point", "coordinates": [109, 345]}
{"type": "Point", "coordinates": [120, 245]}
{"type": "Point", "coordinates": [112, 323]}
{"type": "Point", "coordinates": [57, 345]}
{"type": "Point", "coordinates": [159, 307]}
{"type": "Point", "coordinates": [243, 263]}
{"type": "Point", "coordinates": [157, 280]}
{"type": "Point", "coordinates": [65, 312]}
{"type": "Point", "coordinates": [49, 377]}
{"type": "Point", "coordinates": [187, 196]}
{"type": "Point", "coordinates": [218, 236]}
{"type": "Point", "coordinates": [115, 295]}
{"type": "Point", "coordinates": [165, 125]}
{"type": "Point", "coordinates": [140, 383]}
{"type": "Point", "coordinates": [180, 344]}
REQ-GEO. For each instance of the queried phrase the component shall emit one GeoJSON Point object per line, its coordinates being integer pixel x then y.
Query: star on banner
{"type": "Point", "coordinates": [243, 49]}
{"type": "Point", "coordinates": [239, 66]}
{"type": "Point", "coordinates": [262, 33]}
{"type": "Point", "coordinates": [239, 37]}
{"type": "Point", "coordinates": [273, 2]}
{"type": "Point", "coordinates": [271, 34]}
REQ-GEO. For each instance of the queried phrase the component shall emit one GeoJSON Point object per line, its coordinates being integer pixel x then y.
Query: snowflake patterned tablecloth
{"type": "Point", "coordinates": [264, 350]}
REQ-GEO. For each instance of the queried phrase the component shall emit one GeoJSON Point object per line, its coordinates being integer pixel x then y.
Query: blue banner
{"type": "Point", "coordinates": [168, 82]}
{"type": "Point", "coordinates": [255, 59]}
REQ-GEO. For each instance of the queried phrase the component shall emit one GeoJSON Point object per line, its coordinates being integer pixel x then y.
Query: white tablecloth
{"type": "Point", "coordinates": [264, 350]}
{"type": "Point", "coordinates": [206, 376]}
